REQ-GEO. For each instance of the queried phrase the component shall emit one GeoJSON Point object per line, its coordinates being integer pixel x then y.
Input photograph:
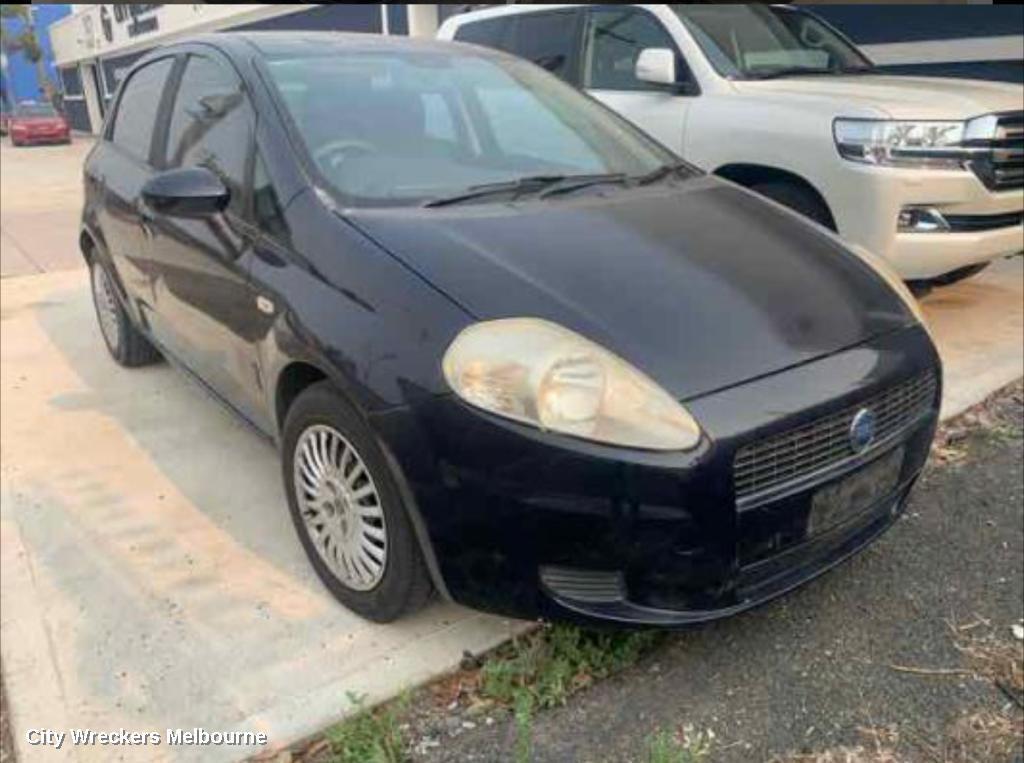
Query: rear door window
{"type": "Point", "coordinates": [494, 33]}
{"type": "Point", "coordinates": [549, 39]}
{"type": "Point", "coordinates": [212, 126]}
{"type": "Point", "coordinates": [138, 107]}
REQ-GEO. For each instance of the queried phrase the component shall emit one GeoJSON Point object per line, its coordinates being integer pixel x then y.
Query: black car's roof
{"type": "Point", "coordinates": [295, 43]}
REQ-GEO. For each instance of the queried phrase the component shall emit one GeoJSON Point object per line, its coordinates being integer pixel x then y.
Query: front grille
{"type": "Point", "coordinates": [1001, 168]}
{"type": "Point", "coordinates": [799, 453]}
{"type": "Point", "coordinates": [966, 223]}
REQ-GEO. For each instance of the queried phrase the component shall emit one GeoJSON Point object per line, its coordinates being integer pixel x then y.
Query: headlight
{"type": "Point", "coordinates": [901, 144]}
{"type": "Point", "coordinates": [891, 277]}
{"type": "Point", "coordinates": [539, 373]}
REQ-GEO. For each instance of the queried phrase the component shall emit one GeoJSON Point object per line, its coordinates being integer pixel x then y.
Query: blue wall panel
{"type": "Point", "coordinates": [23, 84]}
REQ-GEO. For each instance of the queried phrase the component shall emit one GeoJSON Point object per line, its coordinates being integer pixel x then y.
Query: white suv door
{"type": "Point", "coordinates": [612, 40]}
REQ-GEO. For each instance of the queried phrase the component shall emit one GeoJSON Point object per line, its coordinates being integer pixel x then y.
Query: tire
{"type": "Point", "coordinates": [960, 274]}
{"type": "Point", "coordinates": [362, 547]}
{"type": "Point", "coordinates": [127, 346]}
{"type": "Point", "coordinates": [920, 289]}
{"type": "Point", "coordinates": [798, 198]}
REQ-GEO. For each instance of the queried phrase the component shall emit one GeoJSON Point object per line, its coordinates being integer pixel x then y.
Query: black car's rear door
{"type": "Point", "coordinates": [205, 312]}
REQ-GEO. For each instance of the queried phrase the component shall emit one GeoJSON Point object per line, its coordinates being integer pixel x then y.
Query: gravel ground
{"type": "Point", "coordinates": [812, 671]}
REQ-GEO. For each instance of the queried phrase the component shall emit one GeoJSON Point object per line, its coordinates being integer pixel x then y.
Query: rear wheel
{"type": "Point", "coordinates": [126, 343]}
{"type": "Point", "coordinates": [347, 508]}
{"type": "Point", "coordinates": [798, 198]}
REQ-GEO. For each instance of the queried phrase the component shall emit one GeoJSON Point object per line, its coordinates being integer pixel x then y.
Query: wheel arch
{"type": "Point", "coordinates": [292, 380]}
{"type": "Point", "coordinates": [299, 375]}
{"type": "Point", "coordinates": [749, 174]}
{"type": "Point", "coordinates": [91, 247]}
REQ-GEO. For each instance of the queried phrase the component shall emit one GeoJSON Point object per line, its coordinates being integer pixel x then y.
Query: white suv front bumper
{"type": "Point", "coordinates": [869, 199]}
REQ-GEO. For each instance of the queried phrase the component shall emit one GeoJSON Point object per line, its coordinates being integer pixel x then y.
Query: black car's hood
{"type": "Point", "coordinates": [701, 285]}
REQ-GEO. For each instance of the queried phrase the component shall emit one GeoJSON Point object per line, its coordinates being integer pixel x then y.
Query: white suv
{"type": "Point", "coordinates": [926, 172]}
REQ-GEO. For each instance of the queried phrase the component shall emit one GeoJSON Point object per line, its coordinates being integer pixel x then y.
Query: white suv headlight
{"type": "Point", "coordinates": [540, 373]}
{"type": "Point", "coordinates": [901, 144]}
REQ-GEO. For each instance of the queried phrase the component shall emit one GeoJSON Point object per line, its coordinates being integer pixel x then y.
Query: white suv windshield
{"type": "Point", "coordinates": [398, 128]}
{"type": "Point", "coordinates": [758, 42]}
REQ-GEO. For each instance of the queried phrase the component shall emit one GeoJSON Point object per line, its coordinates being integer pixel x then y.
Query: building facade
{"type": "Point", "coordinates": [969, 40]}
{"type": "Point", "coordinates": [96, 44]}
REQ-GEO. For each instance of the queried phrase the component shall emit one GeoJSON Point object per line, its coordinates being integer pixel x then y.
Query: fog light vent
{"type": "Point", "coordinates": [921, 220]}
{"type": "Point", "coordinates": [593, 586]}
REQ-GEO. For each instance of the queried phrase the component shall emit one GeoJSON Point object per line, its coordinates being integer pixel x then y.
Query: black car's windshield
{"type": "Point", "coordinates": [34, 110]}
{"type": "Point", "coordinates": [400, 128]}
{"type": "Point", "coordinates": [760, 42]}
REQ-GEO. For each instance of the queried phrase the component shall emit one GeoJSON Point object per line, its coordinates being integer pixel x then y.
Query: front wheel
{"type": "Point", "coordinates": [347, 509]}
{"type": "Point", "coordinates": [798, 198]}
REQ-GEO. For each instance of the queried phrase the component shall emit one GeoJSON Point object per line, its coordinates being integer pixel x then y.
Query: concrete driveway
{"type": "Point", "coordinates": [150, 576]}
{"type": "Point", "coordinates": [41, 193]}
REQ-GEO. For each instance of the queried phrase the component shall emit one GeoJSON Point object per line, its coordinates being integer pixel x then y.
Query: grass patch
{"type": "Point", "coordinates": [684, 746]}
{"type": "Point", "coordinates": [551, 664]}
{"type": "Point", "coordinates": [370, 736]}
{"type": "Point", "coordinates": [539, 670]}
{"type": "Point", "coordinates": [524, 728]}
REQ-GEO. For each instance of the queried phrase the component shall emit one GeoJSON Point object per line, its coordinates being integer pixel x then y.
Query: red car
{"type": "Point", "coordinates": [37, 123]}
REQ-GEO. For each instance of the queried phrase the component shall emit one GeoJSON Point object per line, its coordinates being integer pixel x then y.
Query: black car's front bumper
{"type": "Point", "coordinates": [529, 524]}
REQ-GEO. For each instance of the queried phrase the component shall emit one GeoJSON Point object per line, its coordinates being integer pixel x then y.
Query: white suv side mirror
{"type": "Point", "coordinates": [657, 65]}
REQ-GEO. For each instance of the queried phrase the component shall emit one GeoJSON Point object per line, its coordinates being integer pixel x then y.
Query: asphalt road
{"type": "Point", "coordinates": [806, 672]}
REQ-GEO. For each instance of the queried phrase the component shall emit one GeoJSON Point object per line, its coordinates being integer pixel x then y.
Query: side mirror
{"type": "Point", "coordinates": [190, 192]}
{"type": "Point", "coordinates": [656, 65]}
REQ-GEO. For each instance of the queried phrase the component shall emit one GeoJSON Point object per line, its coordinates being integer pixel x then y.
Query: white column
{"type": "Point", "coordinates": [422, 20]}
{"type": "Point", "coordinates": [92, 98]}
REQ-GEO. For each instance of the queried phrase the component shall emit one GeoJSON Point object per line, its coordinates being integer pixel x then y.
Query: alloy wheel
{"type": "Point", "coordinates": [107, 307]}
{"type": "Point", "coordinates": [340, 507]}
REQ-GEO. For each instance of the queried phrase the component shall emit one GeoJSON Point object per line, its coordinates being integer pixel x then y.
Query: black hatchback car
{"type": "Point", "coordinates": [510, 347]}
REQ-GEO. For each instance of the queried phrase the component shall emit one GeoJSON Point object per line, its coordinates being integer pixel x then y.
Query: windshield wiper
{"type": "Point", "coordinates": [517, 187]}
{"type": "Point", "coordinates": [791, 71]}
{"type": "Point", "coordinates": [572, 183]}
{"type": "Point", "coordinates": [662, 172]}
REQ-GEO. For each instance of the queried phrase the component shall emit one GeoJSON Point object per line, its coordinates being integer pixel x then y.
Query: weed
{"type": "Point", "coordinates": [524, 728]}
{"type": "Point", "coordinates": [370, 736]}
{"type": "Point", "coordinates": [685, 746]}
{"type": "Point", "coordinates": [554, 662]}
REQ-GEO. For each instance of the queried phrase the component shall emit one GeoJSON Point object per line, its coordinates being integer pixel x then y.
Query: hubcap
{"type": "Point", "coordinates": [340, 507]}
{"type": "Point", "coordinates": [106, 306]}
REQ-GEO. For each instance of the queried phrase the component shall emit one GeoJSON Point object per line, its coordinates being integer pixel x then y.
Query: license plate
{"type": "Point", "coordinates": [853, 495]}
